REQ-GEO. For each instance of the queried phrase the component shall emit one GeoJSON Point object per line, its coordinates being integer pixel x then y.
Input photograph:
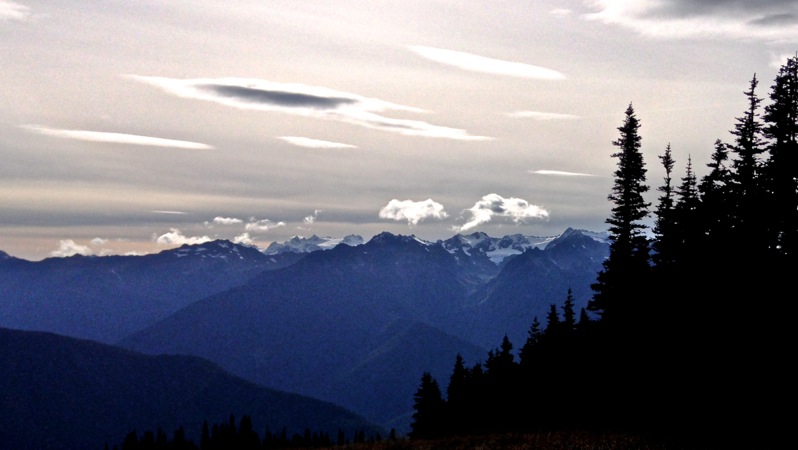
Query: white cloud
{"type": "Point", "coordinates": [536, 115]}
{"type": "Point", "coordinates": [13, 11]}
{"type": "Point", "coordinates": [312, 218]}
{"type": "Point", "coordinates": [98, 241]}
{"type": "Point", "coordinates": [476, 63]}
{"type": "Point", "coordinates": [68, 247]}
{"type": "Point", "coordinates": [768, 20]}
{"type": "Point", "coordinates": [413, 212]}
{"type": "Point", "coordinates": [313, 143]}
{"type": "Point", "coordinates": [243, 238]}
{"type": "Point", "coordinates": [176, 237]}
{"type": "Point", "coordinates": [560, 173]}
{"type": "Point", "coordinates": [494, 205]}
{"type": "Point", "coordinates": [227, 221]}
{"type": "Point", "coordinates": [262, 225]}
{"type": "Point", "coordinates": [303, 100]}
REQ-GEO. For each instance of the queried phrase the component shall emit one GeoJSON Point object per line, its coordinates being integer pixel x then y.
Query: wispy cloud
{"type": "Point", "coordinates": [178, 213]}
{"type": "Point", "coordinates": [476, 63]}
{"type": "Point", "coordinates": [494, 205]}
{"type": "Point", "coordinates": [14, 11]}
{"type": "Point", "coordinates": [176, 237]}
{"type": "Point", "coordinates": [313, 143]}
{"type": "Point", "coordinates": [537, 115]}
{"type": "Point", "coordinates": [769, 20]}
{"type": "Point", "coordinates": [115, 138]}
{"type": "Point", "coordinates": [259, 226]}
{"type": "Point", "coordinates": [411, 211]}
{"type": "Point", "coordinates": [227, 221]}
{"type": "Point", "coordinates": [560, 173]}
{"type": "Point", "coordinates": [303, 100]}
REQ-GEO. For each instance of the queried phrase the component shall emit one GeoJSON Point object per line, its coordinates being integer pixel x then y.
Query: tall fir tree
{"type": "Point", "coordinates": [747, 187]}
{"type": "Point", "coordinates": [617, 287]}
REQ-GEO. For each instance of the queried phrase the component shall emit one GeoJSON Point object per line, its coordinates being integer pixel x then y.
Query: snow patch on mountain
{"type": "Point", "coordinates": [300, 244]}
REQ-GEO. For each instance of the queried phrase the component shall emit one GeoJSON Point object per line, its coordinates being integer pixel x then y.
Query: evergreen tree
{"type": "Point", "coordinates": [717, 208]}
{"type": "Point", "coordinates": [552, 322]}
{"type": "Point", "coordinates": [568, 313]}
{"type": "Point", "coordinates": [688, 227]}
{"type": "Point", "coordinates": [781, 117]}
{"type": "Point", "coordinates": [664, 223]}
{"type": "Point", "coordinates": [428, 419]}
{"type": "Point", "coordinates": [616, 289]}
{"type": "Point", "coordinates": [527, 352]}
{"type": "Point", "coordinates": [458, 402]}
{"type": "Point", "coordinates": [747, 188]}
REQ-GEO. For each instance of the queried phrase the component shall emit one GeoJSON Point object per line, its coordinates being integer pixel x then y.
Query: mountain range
{"type": "Point", "coordinates": [348, 322]}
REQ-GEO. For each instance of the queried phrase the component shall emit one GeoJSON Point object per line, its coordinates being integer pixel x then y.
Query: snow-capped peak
{"type": "Point", "coordinates": [299, 244]}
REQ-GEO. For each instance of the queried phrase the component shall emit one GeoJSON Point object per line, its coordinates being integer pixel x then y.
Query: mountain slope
{"type": "Point", "coordinates": [531, 282]}
{"type": "Point", "coordinates": [300, 328]}
{"type": "Point", "coordinates": [66, 393]}
{"type": "Point", "coordinates": [107, 298]}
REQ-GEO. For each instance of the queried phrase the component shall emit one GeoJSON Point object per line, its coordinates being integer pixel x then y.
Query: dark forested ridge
{"type": "Point", "coordinates": [692, 342]}
{"type": "Point", "coordinates": [63, 393]}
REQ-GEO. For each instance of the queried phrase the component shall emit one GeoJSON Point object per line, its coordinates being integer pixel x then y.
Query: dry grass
{"type": "Point", "coordinates": [542, 441]}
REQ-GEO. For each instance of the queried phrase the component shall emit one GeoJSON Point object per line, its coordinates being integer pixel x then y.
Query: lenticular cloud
{"type": "Point", "coordinates": [494, 205]}
{"type": "Point", "coordinates": [304, 100]}
{"type": "Point", "coordinates": [413, 212]}
{"type": "Point", "coordinates": [476, 63]}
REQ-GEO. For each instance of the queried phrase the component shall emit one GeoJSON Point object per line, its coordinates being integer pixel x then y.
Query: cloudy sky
{"type": "Point", "coordinates": [140, 126]}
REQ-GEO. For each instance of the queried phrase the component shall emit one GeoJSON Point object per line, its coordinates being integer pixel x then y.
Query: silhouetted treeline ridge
{"type": "Point", "coordinates": [690, 338]}
{"type": "Point", "coordinates": [241, 436]}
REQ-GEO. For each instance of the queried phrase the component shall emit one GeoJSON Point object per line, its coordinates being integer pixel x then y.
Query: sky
{"type": "Point", "coordinates": [134, 127]}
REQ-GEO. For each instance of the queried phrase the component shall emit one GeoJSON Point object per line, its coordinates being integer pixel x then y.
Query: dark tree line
{"type": "Point", "coordinates": [691, 337]}
{"type": "Point", "coordinates": [239, 436]}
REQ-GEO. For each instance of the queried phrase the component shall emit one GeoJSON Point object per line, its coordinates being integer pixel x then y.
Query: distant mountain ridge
{"type": "Point", "coordinates": [299, 244]}
{"type": "Point", "coordinates": [105, 298]}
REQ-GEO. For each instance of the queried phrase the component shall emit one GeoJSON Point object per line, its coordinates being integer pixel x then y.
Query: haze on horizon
{"type": "Point", "coordinates": [140, 126]}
